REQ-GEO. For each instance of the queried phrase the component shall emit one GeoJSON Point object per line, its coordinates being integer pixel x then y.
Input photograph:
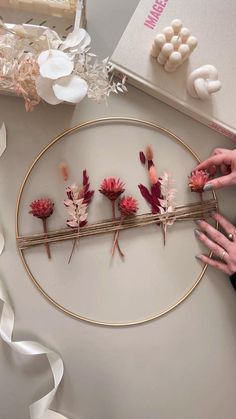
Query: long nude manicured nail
{"type": "Point", "coordinates": [198, 222]}
{"type": "Point", "coordinates": [198, 257]}
{"type": "Point", "coordinates": [208, 187]}
{"type": "Point", "coordinates": [197, 232]}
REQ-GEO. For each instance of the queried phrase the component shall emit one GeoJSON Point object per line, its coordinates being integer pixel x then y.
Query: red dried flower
{"type": "Point", "coordinates": [112, 188]}
{"type": "Point", "coordinates": [128, 205]}
{"type": "Point", "coordinates": [42, 208]}
{"type": "Point", "coordinates": [197, 180]}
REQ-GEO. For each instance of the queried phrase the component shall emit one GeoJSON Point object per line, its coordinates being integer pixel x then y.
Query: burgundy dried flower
{"type": "Point", "coordinates": [153, 195]}
{"type": "Point", "coordinates": [43, 208]}
{"type": "Point", "coordinates": [128, 205]}
{"type": "Point", "coordinates": [197, 180]}
{"type": "Point", "coordinates": [142, 157]}
{"type": "Point", "coordinates": [112, 188]}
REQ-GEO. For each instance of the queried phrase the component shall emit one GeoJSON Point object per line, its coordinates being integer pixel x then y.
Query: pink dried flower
{"type": "Point", "coordinates": [64, 169]}
{"type": "Point", "coordinates": [79, 198]}
{"type": "Point", "coordinates": [42, 208]}
{"type": "Point", "coordinates": [153, 175]}
{"type": "Point", "coordinates": [112, 188]}
{"type": "Point", "coordinates": [128, 205]}
{"type": "Point", "coordinates": [149, 153]}
{"type": "Point", "coordinates": [197, 180]}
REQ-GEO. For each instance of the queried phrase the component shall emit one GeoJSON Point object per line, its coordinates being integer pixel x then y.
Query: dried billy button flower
{"type": "Point", "coordinates": [197, 180]}
{"type": "Point", "coordinates": [43, 208]}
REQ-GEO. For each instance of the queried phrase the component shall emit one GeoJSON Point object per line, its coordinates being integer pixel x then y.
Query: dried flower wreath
{"type": "Point", "coordinates": [161, 197]}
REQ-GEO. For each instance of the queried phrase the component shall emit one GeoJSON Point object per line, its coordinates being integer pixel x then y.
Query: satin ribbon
{"type": "Point", "coordinates": [39, 409]}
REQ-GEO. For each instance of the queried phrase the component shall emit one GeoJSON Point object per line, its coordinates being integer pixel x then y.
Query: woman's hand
{"type": "Point", "coordinates": [223, 246]}
{"type": "Point", "coordinates": [224, 161]}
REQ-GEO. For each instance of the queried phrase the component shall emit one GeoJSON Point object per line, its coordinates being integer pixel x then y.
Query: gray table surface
{"type": "Point", "coordinates": [181, 366]}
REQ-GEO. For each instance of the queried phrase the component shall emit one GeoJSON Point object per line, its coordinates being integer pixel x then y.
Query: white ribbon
{"type": "Point", "coordinates": [39, 409]}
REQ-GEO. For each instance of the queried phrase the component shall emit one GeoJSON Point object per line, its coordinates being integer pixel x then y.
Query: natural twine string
{"type": "Point", "coordinates": [182, 213]}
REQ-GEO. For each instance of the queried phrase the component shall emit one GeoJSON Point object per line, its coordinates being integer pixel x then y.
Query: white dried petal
{"type": "Point", "coordinates": [45, 90]}
{"type": "Point", "coordinates": [77, 37]}
{"type": "Point", "coordinates": [54, 64]}
{"type": "Point", "coordinates": [54, 53]}
{"type": "Point", "coordinates": [70, 89]}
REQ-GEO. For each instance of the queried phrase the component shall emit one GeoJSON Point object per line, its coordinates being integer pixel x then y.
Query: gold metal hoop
{"type": "Point", "coordinates": [78, 127]}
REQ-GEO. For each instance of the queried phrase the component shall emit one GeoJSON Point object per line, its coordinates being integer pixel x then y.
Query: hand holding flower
{"type": "Point", "coordinates": [224, 161]}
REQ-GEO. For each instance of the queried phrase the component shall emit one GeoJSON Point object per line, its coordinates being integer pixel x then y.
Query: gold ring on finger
{"type": "Point", "coordinates": [231, 236]}
{"type": "Point", "coordinates": [222, 257]}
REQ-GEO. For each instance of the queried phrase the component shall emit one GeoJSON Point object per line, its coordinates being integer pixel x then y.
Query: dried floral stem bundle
{"type": "Point", "coordinates": [188, 212]}
{"type": "Point", "coordinates": [161, 195]}
{"type": "Point", "coordinates": [43, 209]}
{"type": "Point", "coordinates": [112, 188]}
{"type": "Point", "coordinates": [77, 202]}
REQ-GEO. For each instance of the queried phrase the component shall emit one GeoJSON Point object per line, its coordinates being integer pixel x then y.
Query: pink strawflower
{"type": "Point", "coordinates": [112, 188]}
{"type": "Point", "coordinates": [128, 205]}
{"type": "Point", "coordinates": [197, 180]}
{"type": "Point", "coordinates": [42, 208]}
{"type": "Point", "coordinates": [153, 175]}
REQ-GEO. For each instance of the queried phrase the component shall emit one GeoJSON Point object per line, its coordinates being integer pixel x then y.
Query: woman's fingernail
{"type": "Point", "coordinates": [207, 187]}
{"type": "Point", "coordinates": [198, 257]}
{"type": "Point", "coordinates": [197, 232]}
{"type": "Point", "coordinates": [198, 222]}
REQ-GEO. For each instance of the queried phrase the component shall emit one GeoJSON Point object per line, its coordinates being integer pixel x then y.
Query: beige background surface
{"type": "Point", "coordinates": [182, 365]}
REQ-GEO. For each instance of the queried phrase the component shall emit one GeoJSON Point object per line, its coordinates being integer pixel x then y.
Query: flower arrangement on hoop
{"type": "Point", "coordinates": [38, 65]}
{"type": "Point", "coordinates": [161, 197]}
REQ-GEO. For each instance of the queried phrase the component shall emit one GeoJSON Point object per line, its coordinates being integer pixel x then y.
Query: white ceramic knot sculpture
{"type": "Point", "coordinates": [203, 81]}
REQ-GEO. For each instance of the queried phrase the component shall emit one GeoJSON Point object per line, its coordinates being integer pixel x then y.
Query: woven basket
{"type": "Point", "coordinates": [62, 8]}
{"type": "Point", "coordinates": [56, 14]}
